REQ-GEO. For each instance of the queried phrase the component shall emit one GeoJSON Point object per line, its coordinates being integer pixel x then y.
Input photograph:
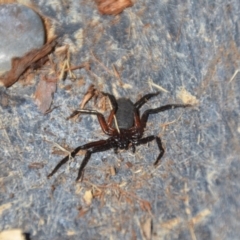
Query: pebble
{"type": "Point", "coordinates": [21, 30]}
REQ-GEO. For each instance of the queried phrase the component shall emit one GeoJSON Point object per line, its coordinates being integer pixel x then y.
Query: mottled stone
{"type": "Point", "coordinates": [21, 30]}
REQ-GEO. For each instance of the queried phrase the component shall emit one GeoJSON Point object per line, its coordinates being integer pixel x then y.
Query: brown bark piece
{"type": "Point", "coordinates": [20, 65]}
{"type": "Point", "coordinates": [44, 93]}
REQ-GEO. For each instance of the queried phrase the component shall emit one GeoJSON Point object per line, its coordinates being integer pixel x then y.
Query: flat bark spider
{"type": "Point", "coordinates": [128, 132]}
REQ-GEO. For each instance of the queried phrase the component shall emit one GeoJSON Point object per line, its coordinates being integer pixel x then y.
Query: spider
{"type": "Point", "coordinates": [127, 131]}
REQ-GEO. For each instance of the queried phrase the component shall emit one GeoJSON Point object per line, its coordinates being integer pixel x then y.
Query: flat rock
{"type": "Point", "coordinates": [21, 30]}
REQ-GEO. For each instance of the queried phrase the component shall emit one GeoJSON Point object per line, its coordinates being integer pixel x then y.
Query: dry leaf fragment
{"type": "Point", "coordinates": [20, 65]}
{"type": "Point", "coordinates": [113, 7]}
{"type": "Point", "coordinates": [44, 93]}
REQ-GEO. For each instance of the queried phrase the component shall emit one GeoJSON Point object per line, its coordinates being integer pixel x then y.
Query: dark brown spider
{"type": "Point", "coordinates": [128, 132]}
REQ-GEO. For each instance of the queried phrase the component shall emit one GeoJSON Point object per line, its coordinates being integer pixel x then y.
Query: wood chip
{"type": "Point", "coordinates": [113, 7]}
{"type": "Point", "coordinates": [147, 229]}
{"type": "Point", "coordinates": [186, 97]}
{"type": "Point", "coordinates": [88, 197]}
{"type": "Point", "coordinates": [13, 234]}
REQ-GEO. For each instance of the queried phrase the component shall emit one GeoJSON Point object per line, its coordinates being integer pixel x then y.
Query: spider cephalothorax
{"type": "Point", "coordinates": [128, 131]}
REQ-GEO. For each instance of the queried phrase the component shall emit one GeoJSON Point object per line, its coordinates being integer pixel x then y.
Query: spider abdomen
{"type": "Point", "coordinates": [124, 114]}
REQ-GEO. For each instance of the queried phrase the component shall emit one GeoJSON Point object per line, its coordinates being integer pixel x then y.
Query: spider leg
{"type": "Point", "coordinates": [115, 150]}
{"type": "Point", "coordinates": [159, 144]}
{"type": "Point", "coordinates": [138, 123]}
{"type": "Point", "coordinates": [101, 119]}
{"type": "Point", "coordinates": [101, 147]}
{"type": "Point", "coordinates": [74, 153]}
{"type": "Point", "coordinates": [146, 114]}
{"type": "Point", "coordinates": [133, 148]}
{"type": "Point", "coordinates": [112, 100]}
{"type": "Point", "coordinates": [144, 99]}
{"type": "Point", "coordinates": [114, 107]}
{"type": "Point", "coordinates": [161, 149]}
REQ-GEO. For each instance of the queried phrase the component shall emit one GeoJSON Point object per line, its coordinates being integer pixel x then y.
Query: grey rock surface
{"type": "Point", "coordinates": [195, 192]}
{"type": "Point", "coordinates": [21, 30]}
